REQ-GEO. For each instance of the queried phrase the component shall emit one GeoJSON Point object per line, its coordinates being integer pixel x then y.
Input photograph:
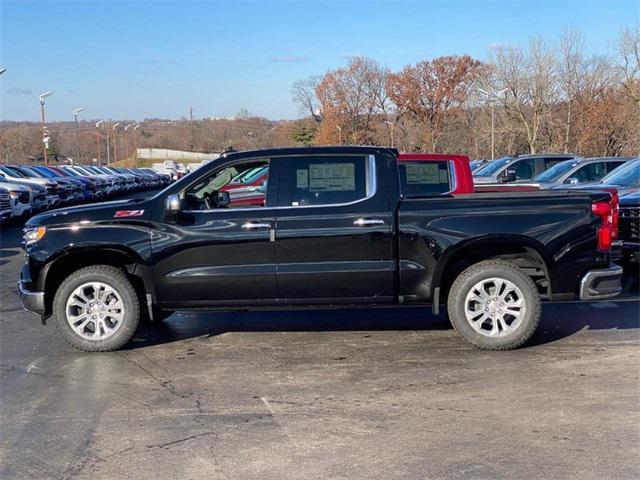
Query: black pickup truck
{"type": "Point", "coordinates": [334, 229]}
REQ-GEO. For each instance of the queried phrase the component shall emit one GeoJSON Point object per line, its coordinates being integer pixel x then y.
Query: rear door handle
{"type": "Point", "coordinates": [255, 225]}
{"type": "Point", "coordinates": [365, 222]}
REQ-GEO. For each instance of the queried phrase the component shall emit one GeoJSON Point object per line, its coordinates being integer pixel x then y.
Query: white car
{"type": "Point", "coordinates": [20, 199]}
{"type": "Point", "coordinates": [166, 169]}
{"type": "Point", "coordinates": [5, 204]}
{"type": "Point", "coordinates": [15, 176]}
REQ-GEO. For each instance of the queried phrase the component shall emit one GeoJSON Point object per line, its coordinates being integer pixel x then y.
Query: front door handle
{"type": "Point", "coordinates": [366, 222]}
{"type": "Point", "coordinates": [255, 225]}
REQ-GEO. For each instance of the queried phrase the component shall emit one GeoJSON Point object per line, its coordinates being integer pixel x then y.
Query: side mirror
{"type": "Point", "coordinates": [572, 181]}
{"type": "Point", "coordinates": [223, 199]}
{"type": "Point", "coordinates": [173, 203]}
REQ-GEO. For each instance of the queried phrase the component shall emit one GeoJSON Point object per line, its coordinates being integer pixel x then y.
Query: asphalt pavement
{"type": "Point", "coordinates": [386, 393]}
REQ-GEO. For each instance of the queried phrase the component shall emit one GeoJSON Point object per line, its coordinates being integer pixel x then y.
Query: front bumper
{"type": "Point", "coordinates": [31, 301]}
{"type": "Point", "coordinates": [20, 209]}
{"type": "Point", "coordinates": [601, 283]}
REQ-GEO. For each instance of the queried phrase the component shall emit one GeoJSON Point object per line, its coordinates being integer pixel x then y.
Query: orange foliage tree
{"type": "Point", "coordinates": [426, 93]}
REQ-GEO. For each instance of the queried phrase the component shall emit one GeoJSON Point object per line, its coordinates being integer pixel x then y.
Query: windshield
{"type": "Point", "coordinates": [49, 173]}
{"type": "Point", "coordinates": [13, 172]}
{"type": "Point", "coordinates": [28, 172]}
{"type": "Point", "coordinates": [556, 172]}
{"type": "Point", "coordinates": [492, 167]}
{"type": "Point", "coordinates": [626, 176]}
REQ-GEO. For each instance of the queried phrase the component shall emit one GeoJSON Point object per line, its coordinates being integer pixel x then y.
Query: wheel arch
{"type": "Point", "coordinates": [72, 260]}
{"type": "Point", "coordinates": [524, 252]}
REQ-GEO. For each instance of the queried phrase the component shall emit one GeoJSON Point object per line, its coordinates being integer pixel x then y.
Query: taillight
{"type": "Point", "coordinates": [608, 213]}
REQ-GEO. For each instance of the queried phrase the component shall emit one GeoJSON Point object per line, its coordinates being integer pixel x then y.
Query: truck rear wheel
{"type": "Point", "coordinates": [494, 305]}
{"type": "Point", "coordinates": [96, 309]}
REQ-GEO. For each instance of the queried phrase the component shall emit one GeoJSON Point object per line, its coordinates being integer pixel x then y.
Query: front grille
{"type": "Point", "coordinates": [23, 197]}
{"type": "Point", "coordinates": [52, 190]}
{"type": "Point", "coordinates": [41, 197]}
{"type": "Point", "coordinates": [629, 224]}
{"type": "Point", "coordinates": [5, 201]}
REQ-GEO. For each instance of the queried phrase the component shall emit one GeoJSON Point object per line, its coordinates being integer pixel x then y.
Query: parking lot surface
{"type": "Point", "coordinates": [387, 393]}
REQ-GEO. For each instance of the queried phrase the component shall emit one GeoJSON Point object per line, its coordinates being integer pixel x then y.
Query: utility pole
{"type": "Point", "coordinates": [115, 141]}
{"type": "Point", "coordinates": [491, 96]}
{"type": "Point", "coordinates": [98, 141]}
{"type": "Point", "coordinates": [75, 116]}
{"type": "Point", "coordinates": [339, 128]}
{"type": "Point", "coordinates": [43, 121]}
{"type": "Point", "coordinates": [191, 124]}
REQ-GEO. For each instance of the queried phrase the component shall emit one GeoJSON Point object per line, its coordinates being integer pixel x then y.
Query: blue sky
{"type": "Point", "coordinates": [141, 59]}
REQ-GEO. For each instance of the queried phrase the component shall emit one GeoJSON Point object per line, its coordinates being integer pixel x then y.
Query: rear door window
{"type": "Point", "coordinates": [424, 178]}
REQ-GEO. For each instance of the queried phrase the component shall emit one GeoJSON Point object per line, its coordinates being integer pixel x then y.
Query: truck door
{"type": "Point", "coordinates": [334, 234]}
{"type": "Point", "coordinates": [212, 254]}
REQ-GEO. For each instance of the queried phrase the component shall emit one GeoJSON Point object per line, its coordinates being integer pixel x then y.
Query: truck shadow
{"type": "Point", "coordinates": [559, 320]}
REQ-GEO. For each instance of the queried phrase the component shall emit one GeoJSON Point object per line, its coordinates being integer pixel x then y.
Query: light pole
{"type": "Point", "coordinates": [493, 96]}
{"type": "Point", "coordinates": [126, 143]}
{"type": "Point", "coordinates": [135, 143]}
{"type": "Point", "coordinates": [391, 127]}
{"type": "Point", "coordinates": [43, 119]}
{"type": "Point", "coordinates": [115, 142]}
{"type": "Point", "coordinates": [339, 128]}
{"type": "Point", "coordinates": [108, 145]}
{"type": "Point", "coordinates": [75, 116]}
{"type": "Point", "coordinates": [98, 141]}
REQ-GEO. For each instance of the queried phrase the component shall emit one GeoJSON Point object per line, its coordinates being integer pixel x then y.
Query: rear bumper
{"type": "Point", "coordinates": [601, 283]}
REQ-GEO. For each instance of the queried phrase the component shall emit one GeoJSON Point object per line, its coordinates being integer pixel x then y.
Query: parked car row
{"type": "Point", "coordinates": [27, 189]}
{"type": "Point", "coordinates": [544, 170]}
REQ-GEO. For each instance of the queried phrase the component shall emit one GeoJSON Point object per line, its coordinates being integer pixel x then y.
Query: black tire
{"type": "Point", "coordinates": [117, 280]}
{"type": "Point", "coordinates": [484, 271]}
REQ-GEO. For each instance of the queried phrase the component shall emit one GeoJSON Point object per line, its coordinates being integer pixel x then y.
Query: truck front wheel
{"type": "Point", "coordinates": [96, 309]}
{"type": "Point", "coordinates": [494, 305]}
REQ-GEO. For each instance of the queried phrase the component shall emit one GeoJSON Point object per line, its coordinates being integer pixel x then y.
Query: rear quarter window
{"type": "Point", "coordinates": [424, 178]}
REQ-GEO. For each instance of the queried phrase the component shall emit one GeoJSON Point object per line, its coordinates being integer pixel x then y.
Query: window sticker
{"type": "Point", "coordinates": [302, 178]}
{"type": "Point", "coordinates": [332, 177]}
{"type": "Point", "coordinates": [425, 173]}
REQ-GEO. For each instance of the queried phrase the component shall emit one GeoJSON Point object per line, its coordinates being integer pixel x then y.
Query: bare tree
{"type": "Point", "coordinates": [530, 80]}
{"type": "Point", "coordinates": [303, 93]}
{"type": "Point", "coordinates": [627, 59]}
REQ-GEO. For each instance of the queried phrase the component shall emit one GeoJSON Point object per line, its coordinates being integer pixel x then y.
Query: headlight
{"type": "Point", "coordinates": [32, 235]}
{"type": "Point", "coordinates": [14, 195]}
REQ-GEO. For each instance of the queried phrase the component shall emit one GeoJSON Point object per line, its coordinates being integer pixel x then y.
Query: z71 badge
{"type": "Point", "coordinates": [128, 213]}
